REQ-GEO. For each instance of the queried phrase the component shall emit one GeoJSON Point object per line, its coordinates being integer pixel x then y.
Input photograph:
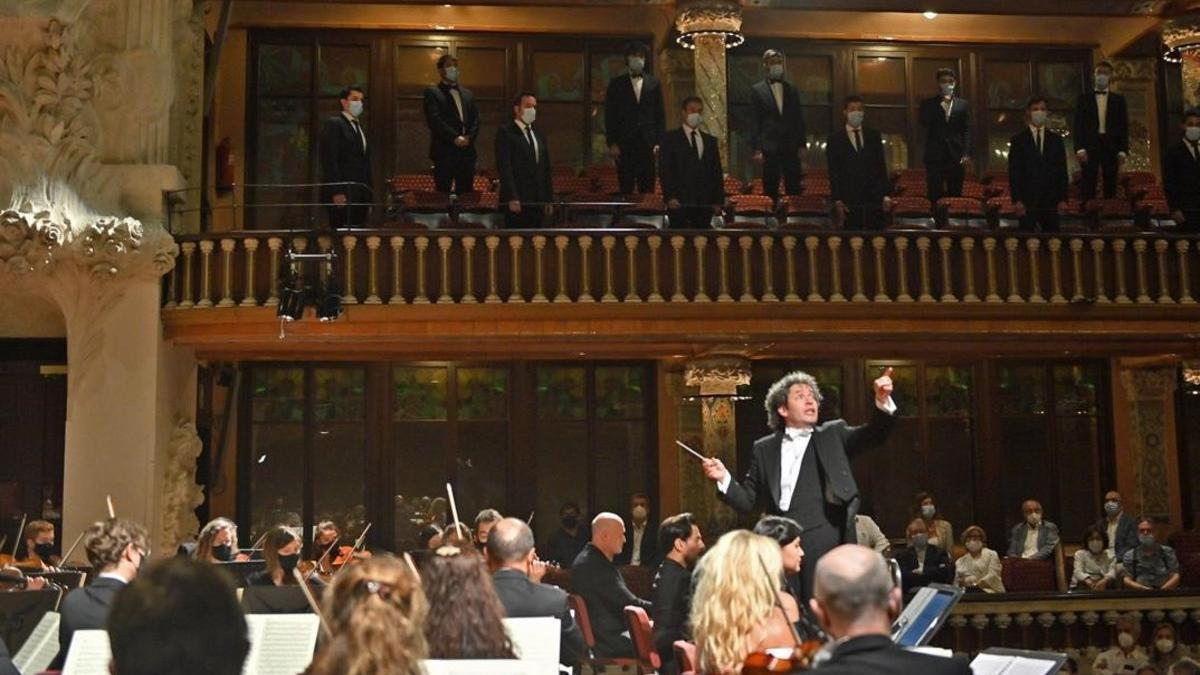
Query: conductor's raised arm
{"type": "Point", "coordinates": [876, 431]}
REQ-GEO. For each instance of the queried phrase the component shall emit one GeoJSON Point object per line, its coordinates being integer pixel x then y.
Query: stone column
{"type": "Point", "coordinates": [1149, 395]}
{"type": "Point", "coordinates": [709, 28]}
{"type": "Point", "coordinates": [718, 379]}
{"type": "Point", "coordinates": [1182, 35]}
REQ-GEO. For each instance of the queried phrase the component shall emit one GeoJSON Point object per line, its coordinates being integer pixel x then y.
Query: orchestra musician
{"type": "Point", "coordinates": [218, 543]}
{"type": "Point", "coordinates": [38, 550]}
{"type": "Point", "coordinates": [281, 551]}
{"type": "Point", "coordinates": [329, 556]}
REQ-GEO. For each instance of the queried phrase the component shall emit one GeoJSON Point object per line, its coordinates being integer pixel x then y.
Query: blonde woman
{"type": "Point", "coordinates": [734, 607]}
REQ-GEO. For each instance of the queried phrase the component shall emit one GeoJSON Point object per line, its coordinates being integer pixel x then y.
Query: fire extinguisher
{"type": "Point", "coordinates": [226, 165]}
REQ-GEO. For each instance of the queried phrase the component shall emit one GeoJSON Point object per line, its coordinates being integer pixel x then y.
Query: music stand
{"type": "Point", "coordinates": [274, 600]}
{"type": "Point", "coordinates": [20, 612]}
{"type": "Point", "coordinates": [240, 570]}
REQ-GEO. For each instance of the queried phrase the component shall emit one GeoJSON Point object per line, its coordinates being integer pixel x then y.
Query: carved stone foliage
{"type": "Point", "coordinates": [180, 494]}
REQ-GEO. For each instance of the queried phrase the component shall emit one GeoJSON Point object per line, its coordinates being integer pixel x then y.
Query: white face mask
{"type": "Point", "coordinates": [775, 71]}
{"type": "Point", "coordinates": [356, 108]}
{"type": "Point", "coordinates": [1034, 519]}
{"type": "Point", "coordinates": [1164, 646]}
{"type": "Point", "coordinates": [1038, 118]}
{"type": "Point", "coordinates": [947, 88]}
{"type": "Point", "coordinates": [694, 120]}
{"type": "Point", "coordinates": [1101, 81]}
{"type": "Point", "coordinates": [1192, 134]}
{"type": "Point", "coordinates": [1095, 546]}
{"type": "Point", "coordinates": [1125, 640]}
{"type": "Point", "coordinates": [640, 513]}
{"type": "Point", "coordinates": [855, 118]}
{"type": "Point", "coordinates": [927, 511]}
{"type": "Point", "coordinates": [974, 545]}
{"type": "Point", "coordinates": [636, 64]}
{"type": "Point", "coordinates": [451, 73]}
{"type": "Point", "coordinates": [528, 115]}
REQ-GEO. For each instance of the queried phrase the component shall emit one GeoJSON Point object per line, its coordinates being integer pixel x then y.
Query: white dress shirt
{"type": "Point", "coordinates": [454, 94]}
{"type": "Point", "coordinates": [1039, 138]}
{"type": "Point", "coordinates": [637, 86]}
{"type": "Point", "coordinates": [530, 137]}
{"type": "Point", "coordinates": [697, 140]}
{"type": "Point", "coordinates": [777, 92]}
{"type": "Point", "coordinates": [948, 106]}
{"type": "Point", "coordinates": [854, 135]}
{"type": "Point", "coordinates": [1031, 546]}
{"type": "Point", "coordinates": [1112, 535]}
{"type": "Point", "coordinates": [639, 533]}
{"type": "Point", "coordinates": [357, 126]}
{"type": "Point", "coordinates": [1102, 110]}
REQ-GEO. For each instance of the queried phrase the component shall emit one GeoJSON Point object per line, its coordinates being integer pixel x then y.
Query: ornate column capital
{"type": "Point", "coordinates": [709, 18]}
{"type": "Point", "coordinates": [1148, 384]}
{"type": "Point", "coordinates": [717, 375]}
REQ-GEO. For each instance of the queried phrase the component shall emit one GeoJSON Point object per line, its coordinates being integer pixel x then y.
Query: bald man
{"type": "Point", "coordinates": [856, 602]}
{"type": "Point", "coordinates": [597, 580]}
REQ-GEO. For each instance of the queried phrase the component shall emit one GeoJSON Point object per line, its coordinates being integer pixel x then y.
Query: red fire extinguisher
{"type": "Point", "coordinates": [226, 165]}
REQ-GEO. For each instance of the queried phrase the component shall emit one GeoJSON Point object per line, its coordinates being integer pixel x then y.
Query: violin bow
{"type": "Point", "coordinates": [357, 545]}
{"type": "Point", "coordinates": [779, 602]}
{"type": "Point", "coordinates": [317, 565]}
{"type": "Point", "coordinates": [454, 510]}
{"type": "Point", "coordinates": [20, 534]}
{"type": "Point", "coordinates": [312, 602]}
{"type": "Point", "coordinates": [67, 555]}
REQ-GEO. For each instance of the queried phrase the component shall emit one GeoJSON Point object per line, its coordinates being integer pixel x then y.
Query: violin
{"type": "Point", "coordinates": [772, 660]}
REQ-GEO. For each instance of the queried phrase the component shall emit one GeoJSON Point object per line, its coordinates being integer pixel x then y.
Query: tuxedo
{"type": "Point", "coordinates": [524, 171]}
{"type": "Point", "coordinates": [1103, 148]}
{"type": "Point", "coordinates": [778, 134]}
{"type": "Point", "coordinates": [823, 495]}
{"type": "Point", "coordinates": [878, 655]}
{"type": "Point", "coordinates": [648, 549]}
{"type": "Point", "coordinates": [345, 158]}
{"type": "Point", "coordinates": [598, 581]}
{"type": "Point", "coordinates": [452, 165]}
{"type": "Point", "coordinates": [521, 598]}
{"type": "Point", "coordinates": [858, 176]}
{"type": "Point", "coordinates": [936, 568]}
{"type": "Point", "coordinates": [1037, 177]}
{"type": "Point", "coordinates": [692, 177]}
{"type": "Point", "coordinates": [635, 123]}
{"type": "Point", "coordinates": [1181, 182]}
{"type": "Point", "coordinates": [85, 609]}
{"type": "Point", "coordinates": [947, 141]}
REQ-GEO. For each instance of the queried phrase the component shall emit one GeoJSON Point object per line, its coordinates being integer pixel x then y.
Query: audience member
{"type": "Point", "coordinates": [281, 551]}
{"type": "Point", "coordinates": [785, 532]}
{"type": "Point", "coordinates": [597, 580]}
{"type": "Point", "coordinates": [946, 121]}
{"type": "Point", "coordinates": [1185, 666]}
{"type": "Point", "coordinates": [858, 175]}
{"type": "Point", "coordinates": [735, 605]}
{"type": "Point", "coordinates": [777, 134]}
{"type": "Point", "coordinates": [484, 522]}
{"type": "Point", "coordinates": [569, 539]}
{"type": "Point", "coordinates": [1118, 526]}
{"type": "Point", "coordinates": [689, 167]}
{"type": "Point", "coordinates": [345, 163]}
{"type": "Point", "coordinates": [1033, 538]}
{"type": "Point", "coordinates": [218, 542]}
{"type": "Point", "coordinates": [941, 532]}
{"type": "Point", "coordinates": [376, 614]}
{"type": "Point", "coordinates": [1125, 655]}
{"type": "Point", "coordinates": [869, 534]}
{"type": "Point", "coordinates": [180, 617]}
{"type": "Point", "coordinates": [856, 602]}
{"type": "Point", "coordinates": [1150, 565]}
{"type": "Point", "coordinates": [641, 542]}
{"type": "Point", "coordinates": [511, 552]}
{"type": "Point", "coordinates": [453, 120]}
{"type": "Point", "coordinates": [1101, 133]}
{"type": "Point", "coordinates": [1095, 566]}
{"type": "Point", "coordinates": [1181, 175]}
{"type": "Point", "coordinates": [1037, 171]}
{"type": "Point", "coordinates": [679, 536]}
{"type": "Point", "coordinates": [467, 621]}
{"type": "Point", "coordinates": [922, 563]}
{"type": "Point", "coordinates": [634, 121]}
{"type": "Point", "coordinates": [979, 569]}
{"type": "Point", "coordinates": [1165, 648]}
{"type": "Point", "coordinates": [523, 164]}
{"type": "Point", "coordinates": [38, 550]}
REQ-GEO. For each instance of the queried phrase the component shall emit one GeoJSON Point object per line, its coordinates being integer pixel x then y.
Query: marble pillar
{"type": "Point", "coordinates": [717, 379]}
{"type": "Point", "coordinates": [708, 28]}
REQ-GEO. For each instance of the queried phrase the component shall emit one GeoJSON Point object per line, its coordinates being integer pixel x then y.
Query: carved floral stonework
{"type": "Point", "coordinates": [1149, 392]}
{"type": "Point", "coordinates": [180, 494]}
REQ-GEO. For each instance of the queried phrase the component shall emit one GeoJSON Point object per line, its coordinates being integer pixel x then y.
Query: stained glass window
{"type": "Point", "coordinates": [419, 393]}
{"type": "Point", "coordinates": [482, 393]}
{"type": "Point", "coordinates": [560, 393]}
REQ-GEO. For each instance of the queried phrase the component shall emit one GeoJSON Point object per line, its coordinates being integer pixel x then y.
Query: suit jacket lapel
{"type": "Point", "coordinates": [773, 466]}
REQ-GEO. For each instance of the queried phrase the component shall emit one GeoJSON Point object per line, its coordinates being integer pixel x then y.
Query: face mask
{"type": "Point", "coordinates": [947, 89]}
{"type": "Point", "coordinates": [356, 108]}
{"type": "Point", "coordinates": [1113, 507]}
{"type": "Point", "coordinates": [775, 71]}
{"type": "Point", "coordinates": [974, 545]}
{"type": "Point", "coordinates": [1192, 133]}
{"type": "Point", "coordinates": [224, 552]}
{"type": "Point", "coordinates": [1146, 539]}
{"type": "Point", "coordinates": [451, 73]}
{"type": "Point", "coordinates": [1095, 546]}
{"type": "Point", "coordinates": [1125, 640]}
{"type": "Point", "coordinates": [289, 562]}
{"type": "Point", "coordinates": [1034, 519]}
{"type": "Point", "coordinates": [1038, 118]}
{"type": "Point", "coordinates": [44, 551]}
{"type": "Point", "coordinates": [570, 521]}
{"type": "Point", "coordinates": [1101, 81]}
{"type": "Point", "coordinates": [920, 541]}
{"type": "Point", "coordinates": [636, 64]}
{"type": "Point", "coordinates": [528, 115]}
{"type": "Point", "coordinates": [639, 512]}
{"type": "Point", "coordinates": [927, 511]}
{"type": "Point", "coordinates": [1164, 646]}
{"type": "Point", "coordinates": [855, 118]}
{"type": "Point", "coordinates": [694, 120]}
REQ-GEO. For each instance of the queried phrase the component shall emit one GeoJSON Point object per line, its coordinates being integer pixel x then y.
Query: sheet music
{"type": "Point", "coordinates": [90, 653]}
{"type": "Point", "coordinates": [280, 644]}
{"type": "Point", "coordinates": [996, 664]}
{"type": "Point", "coordinates": [41, 647]}
{"type": "Point", "coordinates": [535, 641]}
{"type": "Point", "coordinates": [989, 664]}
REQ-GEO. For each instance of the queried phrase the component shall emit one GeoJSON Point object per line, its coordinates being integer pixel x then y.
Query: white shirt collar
{"type": "Point", "coordinates": [688, 129]}
{"type": "Point", "coordinates": [350, 117]}
{"type": "Point", "coordinates": [1034, 130]}
{"type": "Point", "coordinates": [851, 130]}
{"type": "Point", "coordinates": [521, 125]}
{"type": "Point", "coordinates": [793, 433]}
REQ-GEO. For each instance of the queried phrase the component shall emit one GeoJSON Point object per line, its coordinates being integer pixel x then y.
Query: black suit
{"type": "Point", "coordinates": [672, 606]}
{"type": "Point", "coordinates": [779, 136]}
{"type": "Point", "coordinates": [825, 499]}
{"type": "Point", "coordinates": [878, 655]}
{"type": "Point", "coordinates": [523, 176]}
{"type": "Point", "coordinates": [452, 165]}
{"type": "Point", "coordinates": [1127, 536]}
{"type": "Point", "coordinates": [937, 569]}
{"type": "Point", "coordinates": [84, 609]}
{"type": "Point", "coordinates": [1102, 149]}
{"type": "Point", "coordinates": [6, 664]}
{"type": "Point", "coordinates": [523, 599]}
{"type": "Point", "coordinates": [635, 124]}
{"type": "Point", "coordinates": [345, 159]}
{"type": "Point", "coordinates": [598, 581]}
{"type": "Point", "coordinates": [947, 141]}
{"type": "Point", "coordinates": [648, 555]}
{"type": "Point", "coordinates": [696, 181]}
{"type": "Point", "coordinates": [858, 177]}
{"type": "Point", "coordinates": [1181, 182]}
{"type": "Point", "coordinates": [1038, 178]}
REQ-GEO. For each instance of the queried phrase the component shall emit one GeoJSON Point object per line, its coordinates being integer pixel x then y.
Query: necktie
{"type": "Point", "coordinates": [858, 140]}
{"type": "Point", "coordinates": [529, 139]}
{"type": "Point", "coordinates": [1041, 150]}
{"type": "Point", "coordinates": [358, 132]}
{"type": "Point", "coordinates": [696, 143]}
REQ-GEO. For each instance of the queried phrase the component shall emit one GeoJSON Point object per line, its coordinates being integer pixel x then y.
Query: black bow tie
{"type": "Point", "coordinates": [1101, 93]}
{"type": "Point", "coordinates": [636, 77]}
{"type": "Point", "coordinates": [450, 86]}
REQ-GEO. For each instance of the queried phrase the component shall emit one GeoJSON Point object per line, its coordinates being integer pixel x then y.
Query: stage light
{"type": "Point", "coordinates": [931, 15]}
{"type": "Point", "coordinates": [297, 292]}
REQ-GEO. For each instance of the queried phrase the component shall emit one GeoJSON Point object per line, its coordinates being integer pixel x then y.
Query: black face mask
{"type": "Point", "coordinates": [44, 551]}
{"type": "Point", "coordinates": [224, 552]}
{"type": "Point", "coordinates": [289, 562]}
{"type": "Point", "coordinates": [570, 521]}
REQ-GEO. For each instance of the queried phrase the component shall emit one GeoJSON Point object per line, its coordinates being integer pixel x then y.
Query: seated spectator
{"type": "Point", "coordinates": [856, 602]}
{"type": "Point", "coordinates": [1184, 666]}
{"type": "Point", "coordinates": [680, 538]}
{"type": "Point", "coordinates": [1033, 538]}
{"type": "Point", "coordinates": [1117, 525]}
{"type": "Point", "coordinates": [180, 617]}
{"type": "Point", "coordinates": [374, 611]}
{"type": "Point", "coordinates": [1095, 567]}
{"type": "Point", "coordinates": [869, 534]}
{"type": "Point", "coordinates": [516, 579]}
{"type": "Point", "coordinates": [941, 533]}
{"type": "Point", "coordinates": [1126, 655]}
{"type": "Point", "coordinates": [785, 532]}
{"type": "Point", "coordinates": [641, 541]}
{"type": "Point", "coordinates": [568, 540]}
{"type": "Point", "coordinates": [735, 604]}
{"type": "Point", "coordinates": [922, 563]}
{"type": "Point", "coordinates": [218, 542]}
{"type": "Point", "coordinates": [281, 551]}
{"type": "Point", "coordinates": [979, 569]}
{"type": "Point", "coordinates": [467, 620]}
{"type": "Point", "coordinates": [1165, 648]}
{"type": "Point", "coordinates": [1150, 565]}
{"type": "Point", "coordinates": [597, 580]}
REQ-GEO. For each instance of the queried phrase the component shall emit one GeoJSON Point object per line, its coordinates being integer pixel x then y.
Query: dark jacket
{"type": "Point", "coordinates": [563, 547]}
{"type": "Point", "coordinates": [773, 132]}
{"type": "Point", "coordinates": [857, 177]}
{"type": "Point", "coordinates": [694, 181]}
{"type": "Point", "coordinates": [522, 598]}
{"type": "Point", "coordinates": [628, 118]}
{"type": "Point", "coordinates": [1047, 539]}
{"type": "Point", "coordinates": [1181, 180]}
{"type": "Point", "coordinates": [343, 157]}
{"type": "Point", "coordinates": [672, 606]}
{"type": "Point", "coordinates": [649, 553]}
{"type": "Point", "coordinates": [937, 570]}
{"type": "Point", "coordinates": [878, 655]}
{"type": "Point", "coordinates": [833, 440]}
{"type": "Point", "coordinates": [84, 609]}
{"type": "Point", "coordinates": [1087, 123]}
{"type": "Point", "coordinates": [1037, 178]}
{"type": "Point", "coordinates": [522, 176]}
{"type": "Point", "coordinates": [1127, 537]}
{"type": "Point", "coordinates": [598, 581]}
{"type": "Point", "coordinates": [946, 142]}
{"type": "Point", "coordinates": [444, 124]}
{"type": "Point", "coordinates": [6, 664]}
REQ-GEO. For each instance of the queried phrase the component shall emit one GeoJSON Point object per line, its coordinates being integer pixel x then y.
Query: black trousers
{"type": "Point", "coordinates": [635, 168]}
{"type": "Point", "coordinates": [355, 212]}
{"type": "Point", "coordinates": [691, 218]}
{"type": "Point", "coordinates": [785, 163]}
{"type": "Point", "coordinates": [1040, 217]}
{"type": "Point", "coordinates": [944, 180]}
{"type": "Point", "coordinates": [1191, 222]}
{"type": "Point", "coordinates": [863, 217]}
{"type": "Point", "coordinates": [457, 170]}
{"type": "Point", "coordinates": [530, 218]}
{"type": "Point", "coordinates": [816, 542]}
{"type": "Point", "coordinates": [1101, 159]}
